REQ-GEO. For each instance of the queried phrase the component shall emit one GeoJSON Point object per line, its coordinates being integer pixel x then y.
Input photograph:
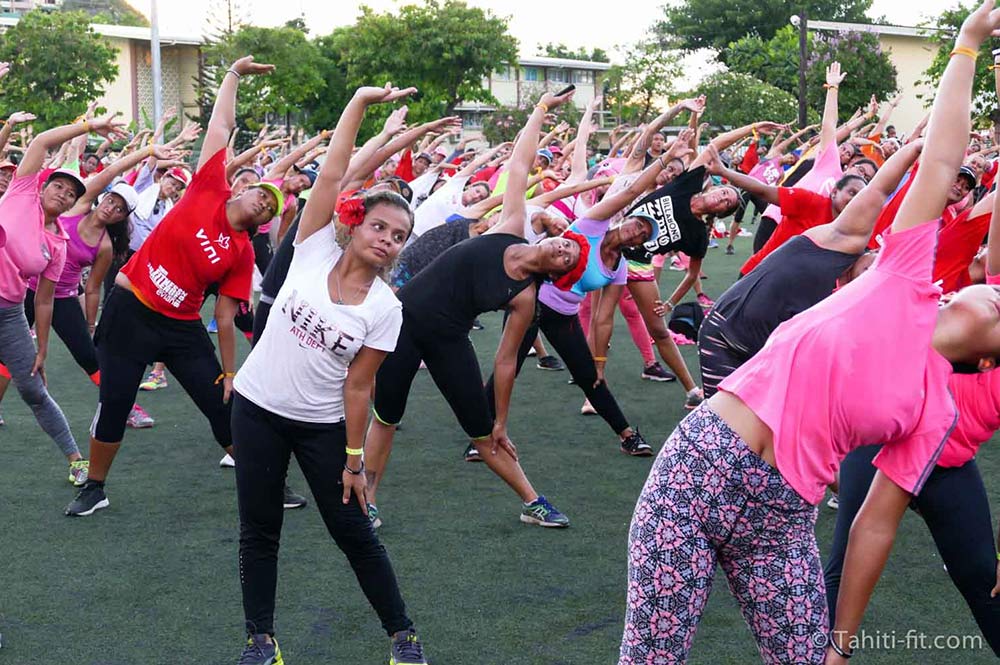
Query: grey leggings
{"type": "Point", "coordinates": [17, 352]}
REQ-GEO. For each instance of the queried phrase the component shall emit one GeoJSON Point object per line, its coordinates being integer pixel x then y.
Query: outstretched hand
{"type": "Point", "coordinates": [19, 117]}
{"type": "Point", "coordinates": [695, 104]}
{"type": "Point", "coordinates": [551, 101]}
{"type": "Point", "coordinates": [981, 23]}
{"type": "Point", "coordinates": [714, 163]}
{"type": "Point", "coordinates": [396, 122]}
{"type": "Point", "coordinates": [110, 127]}
{"type": "Point", "coordinates": [833, 74]}
{"type": "Point", "coordinates": [387, 93]}
{"type": "Point", "coordinates": [245, 66]}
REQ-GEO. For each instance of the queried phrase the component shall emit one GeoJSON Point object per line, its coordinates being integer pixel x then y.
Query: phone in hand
{"type": "Point", "coordinates": [566, 90]}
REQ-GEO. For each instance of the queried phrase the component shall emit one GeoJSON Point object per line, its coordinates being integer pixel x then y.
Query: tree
{"type": "Point", "coordinates": [225, 17]}
{"type": "Point", "coordinates": [694, 24]}
{"type": "Point", "coordinates": [941, 32]}
{"type": "Point", "coordinates": [110, 12]}
{"type": "Point", "coordinates": [733, 99]}
{"type": "Point", "coordinates": [59, 65]}
{"type": "Point", "coordinates": [633, 89]}
{"type": "Point", "coordinates": [869, 70]}
{"type": "Point", "coordinates": [504, 123]}
{"type": "Point", "coordinates": [560, 50]}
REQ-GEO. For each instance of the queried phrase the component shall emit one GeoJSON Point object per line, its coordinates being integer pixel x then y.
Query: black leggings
{"type": "Point", "coordinates": [452, 364]}
{"type": "Point", "coordinates": [113, 270]}
{"type": "Point", "coordinates": [131, 336]}
{"type": "Point", "coordinates": [763, 234]}
{"type": "Point", "coordinates": [954, 506]}
{"type": "Point", "coordinates": [263, 443]}
{"type": "Point", "coordinates": [759, 206]}
{"type": "Point", "coordinates": [567, 338]}
{"type": "Point", "coordinates": [262, 252]}
{"type": "Point", "coordinates": [717, 357]}
{"type": "Point", "coordinates": [70, 323]}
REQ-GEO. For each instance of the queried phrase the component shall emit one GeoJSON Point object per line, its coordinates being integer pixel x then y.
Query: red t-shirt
{"type": "Point", "coordinates": [405, 168]}
{"type": "Point", "coordinates": [750, 158]}
{"type": "Point", "coordinates": [989, 176]}
{"type": "Point", "coordinates": [800, 210]}
{"type": "Point", "coordinates": [193, 247]}
{"type": "Point", "coordinates": [958, 242]}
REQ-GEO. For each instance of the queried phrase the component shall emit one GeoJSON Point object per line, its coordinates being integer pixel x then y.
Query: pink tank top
{"type": "Point", "coordinates": [79, 255]}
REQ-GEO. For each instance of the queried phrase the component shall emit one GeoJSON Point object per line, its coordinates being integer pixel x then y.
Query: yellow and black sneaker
{"type": "Point", "coordinates": [406, 649]}
{"type": "Point", "coordinates": [261, 649]}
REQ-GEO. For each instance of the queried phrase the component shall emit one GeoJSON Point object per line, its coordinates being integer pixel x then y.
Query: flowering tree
{"type": "Point", "coordinates": [733, 99]}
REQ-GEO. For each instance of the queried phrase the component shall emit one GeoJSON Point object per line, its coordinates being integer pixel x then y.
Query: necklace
{"type": "Point", "coordinates": [340, 294]}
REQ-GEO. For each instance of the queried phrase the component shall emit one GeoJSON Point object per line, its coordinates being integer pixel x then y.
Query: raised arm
{"type": "Point", "coordinates": [512, 217]}
{"type": "Point", "coordinates": [781, 148]}
{"type": "Point", "coordinates": [34, 156]}
{"type": "Point", "coordinates": [358, 171]}
{"type": "Point", "coordinates": [993, 244]}
{"type": "Point", "coordinates": [548, 138]}
{"type": "Point", "coordinates": [223, 121]}
{"type": "Point", "coordinates": [483, 158]}
{"type": "Point", "coordinates": [247, 156]}
{"type": "Point", "coordinates": [548, 198]}
{"type": "Point", "coordinates": [280, 167]}
{"type": "Point", "coordinates": [761, 190]}
{"type": "Point", "coordinates": [883, 120]}
{"type": "Point", "coordinates": [578, 170]}
{"type": "Point", "coordinates": [322, 202]}
{"type": "Point", "coordinates": [637, 157]}
{"type": "Point", "coordinates": [726, 139]}
{"type": "Point", "coordinates": [8, 127]}
{"type": "Point", "coordinates": [949, 125]}
{"type": "Point", "coordinates": [101, 181]}
{"type": "Point", "coordinates": [828, 128]}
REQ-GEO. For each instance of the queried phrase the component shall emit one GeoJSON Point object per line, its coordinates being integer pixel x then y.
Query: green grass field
{"type": "Point", "coordinates": [153, 579]}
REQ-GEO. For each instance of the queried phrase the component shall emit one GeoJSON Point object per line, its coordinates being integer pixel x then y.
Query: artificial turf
{"type": "Point", "coordinates": [154, 580]}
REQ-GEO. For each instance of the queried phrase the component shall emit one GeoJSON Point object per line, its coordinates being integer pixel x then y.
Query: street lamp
{"type": "Point", "coordinates": [801, 22]}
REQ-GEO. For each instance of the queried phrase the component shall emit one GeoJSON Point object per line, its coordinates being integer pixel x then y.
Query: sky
{"type": "Point", "coordinates": [531, 22]}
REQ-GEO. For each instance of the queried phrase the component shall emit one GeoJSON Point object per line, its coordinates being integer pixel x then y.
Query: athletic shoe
{"type": "Point", "coordinates": [89, 499]}
{"type": "Point", "coordinates": [472, 454]}
{"type": "Point", "coordinates": [406, 649]}
{"type": "Point", "coordinates": [550, 363]}
{"type": "Point", "coordinates": [713, 244]}
{"type": "Point", "coordinates": [213, 327]}
{"type": "Point", "coordinates": [259, 651]}
{"type": "Point", "coordinates": [655, 372]}
{"type": "Point", "coordinates": [571, 381]}
{"type": "Point", "coordinates": [78, 472]}
{"type": "Point", "coordinates": [744, 234]}
{"type": "Point", "coordinates": [636, 446]}
{"type": "Point", "coordinates": [139, 419]}
{"type": "Point", "coordinates": [154, 381]}
{"type": "Point", "coordinates": [476, 325]}
{"type": "Point", "coordinates": [293, 500]}
{"type": "Point", "coordinates": [587, 409]}
{"type": "Point", "coordinates": [694, 398]}
{"type": "Point", "coordinates": [834, 502]}
{"type": "Point", "coordinates": [705, 301]}
{"type": "Point", "coordinates": [675, 265]}
{"type": "Point", "coordinates": [532, 352]}
{"type": "Point", "coordinates": [729, 250]}
{"type": "Point", "coordinates": [227, 462]}
{"type": "Point", "coordinates": [543, 513]}
{"type": "Point", "coordinates": [373, 516]}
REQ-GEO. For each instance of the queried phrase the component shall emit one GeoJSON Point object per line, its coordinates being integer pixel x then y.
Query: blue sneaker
{"type": "Point", "coordinates": [213, 326]}
{"type": "Point", "coordinates": [543, 513]}
{"type": "Point", "coordinates": [259, 651]}
{"type": "Point", "coordinates": [406, 649]}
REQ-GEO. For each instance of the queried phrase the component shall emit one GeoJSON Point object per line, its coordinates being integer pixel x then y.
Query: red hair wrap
{"type": "Point", "coordinates": [569, 279]}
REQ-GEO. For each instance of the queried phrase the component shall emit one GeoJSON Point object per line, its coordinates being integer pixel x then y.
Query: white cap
{"type": "Point", "coordinates": [128, 194]}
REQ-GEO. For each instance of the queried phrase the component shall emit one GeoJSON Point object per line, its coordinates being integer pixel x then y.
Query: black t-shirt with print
{"type": "Point", "coordinates": [680, 229]}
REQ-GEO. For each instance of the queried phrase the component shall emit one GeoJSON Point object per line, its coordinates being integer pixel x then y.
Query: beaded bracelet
{"type": "Point", "coordinates": [352, 471]}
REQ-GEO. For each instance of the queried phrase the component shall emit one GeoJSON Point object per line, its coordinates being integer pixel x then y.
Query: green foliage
{"type": "Point", "coordinates": [560, 50]}
{"type": "Point", "coordinates": [504, 123]}
{"type": "Point", "coordinates": [109, 12]}
{"type": "Point", "coordinates": [633, 89]}
{"type": "Point", "coordinates": [693, 24]}
{"type": "Point", "coordinates": [869, 70]}
{"type": "Point", "coordinates": [59, 65]}
{"type": "Point", "coordinates": [984, 97]}
{"type": "Point", "coordinates": [733, 99]}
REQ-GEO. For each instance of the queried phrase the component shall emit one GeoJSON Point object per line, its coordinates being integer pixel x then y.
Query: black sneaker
{"type": "Point", "coordinates": [655, 372]}
{"type": "Point", "coordinates": [406, 649]}
{"type": "Point", "coordinates": [550, 363]}
{"type": "Point", "coordinates": [293, 500]}
{"type": "Point", "coordinates": [636, 446]}
{"type": "Point", "coordinates": [259, 651]}
{"type": "Point", "coordinates": [472, 454]}
{"type": "Point", "coordinates": [476, 325]}
{"type": "Point", "coordinates": [89, 499]}
{"type": "Point", "coordinates": [730, 251]}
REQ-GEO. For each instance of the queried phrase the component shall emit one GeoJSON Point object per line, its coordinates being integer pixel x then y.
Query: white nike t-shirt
{"type": "Point", "coordinates": [297, 369]}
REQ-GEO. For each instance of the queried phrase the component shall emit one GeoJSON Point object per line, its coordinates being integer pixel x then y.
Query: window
{"type": "Point", "coordinates": [502, 74]}
{"type": "Point", "coordinates": [557, 75]}
{"type": "Point", "coordinates": [583, 76]}
{"type": "Point", "coordinates": [531, 73]}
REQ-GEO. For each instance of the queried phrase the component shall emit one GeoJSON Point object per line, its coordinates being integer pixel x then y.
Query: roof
{"type": "Point", "coordinates": [897, 30]}
{"type": "Point", "coordinates": [562, 63]}
{"type": "Point", "coordinates": [127, 32]}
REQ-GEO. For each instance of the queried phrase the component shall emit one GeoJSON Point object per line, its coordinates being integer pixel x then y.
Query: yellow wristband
{"type": "Point", "coordinates": [601, 359]}
{"type": "Point", "coordinates": [355, 451]}
{"type": "Point", "coordinates": [224, 375]}
{"type": "Point", "coordinates": [539, 105]}
{"type": "Point", "coordinates": [965, 50]}
{"type": "Point", "coordinates": [830, 87]}
{"type": "Point", "coordinates": [86, 126]}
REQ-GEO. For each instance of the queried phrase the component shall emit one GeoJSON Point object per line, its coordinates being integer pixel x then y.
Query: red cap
{"type": "Point", "coordinates": [180, 175]}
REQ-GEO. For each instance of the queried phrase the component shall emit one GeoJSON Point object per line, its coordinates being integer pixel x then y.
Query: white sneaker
{"type": "Point", "coordinates": [588, 409]}
{"type": "Point", "coordinates": [833, 503]}
{"type": "Point", "coordinates": [227, 462]}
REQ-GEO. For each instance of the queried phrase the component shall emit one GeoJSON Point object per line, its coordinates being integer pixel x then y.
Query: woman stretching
{"type": "Point", "coordinates": [33, 244]}
{"type": "Point", "coordinates": [494, 271]}
{"type": "Point", "coordinates": [153, 312]}
{"type": "Point", "coordinates": [305, 387]}
{"type": "Point", "coordinates": [738, 481]}
{"type": "Point", "coordinates": [559, 300]}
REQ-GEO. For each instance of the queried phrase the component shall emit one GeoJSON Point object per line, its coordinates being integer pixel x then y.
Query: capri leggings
{"type": "Point", "coordinates": [710, 500]}
{"type": "Point", "coordinates": [636, 326]}
{"type": "Point", "coordinates": [70, 324]}
{"type": "Point", "coordinates": [452, 363]}
{"type": "Point", "coordinates": [131, 336]}
{"type": "Point", "coordinates": [954, 505]}
{"type": "Point", "coordinates": [566, 336]}
{"type": "Point", "coordinates": [718, 357]}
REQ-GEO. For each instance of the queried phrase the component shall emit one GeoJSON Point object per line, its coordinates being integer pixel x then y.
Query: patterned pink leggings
{"type": "Point", "coordinates": [709, 499]}
{"type": "Point", "coordinates": [636, 326]}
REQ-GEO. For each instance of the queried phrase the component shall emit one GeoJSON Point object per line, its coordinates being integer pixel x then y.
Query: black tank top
{"type": "Point", "coordinates": [463, 282]}
{"type": "Point", "coordinates": [790, 280]}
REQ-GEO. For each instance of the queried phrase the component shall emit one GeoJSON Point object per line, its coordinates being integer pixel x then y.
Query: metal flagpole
{"type": "Point", "coordinates": [157, 75]}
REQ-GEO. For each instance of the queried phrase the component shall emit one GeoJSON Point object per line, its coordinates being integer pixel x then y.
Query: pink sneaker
{"type": "Point", "coordinates": [705, 301]}
{"type": "Point", "coordinates": [139, 419]}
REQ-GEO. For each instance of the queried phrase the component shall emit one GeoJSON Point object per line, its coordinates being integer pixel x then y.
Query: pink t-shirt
{"type": "Point", "coordinates": [840, 375]}
{"type": "Point", "coordinates": [31, 249]}
{"type": "Point", "coordinates": [822, 177]}
{"type": "Point", "coordinates": [978, 400]}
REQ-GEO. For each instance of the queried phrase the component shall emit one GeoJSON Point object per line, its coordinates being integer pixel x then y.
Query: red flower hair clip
{"type": "Point", "coordinates": [352, 212]}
